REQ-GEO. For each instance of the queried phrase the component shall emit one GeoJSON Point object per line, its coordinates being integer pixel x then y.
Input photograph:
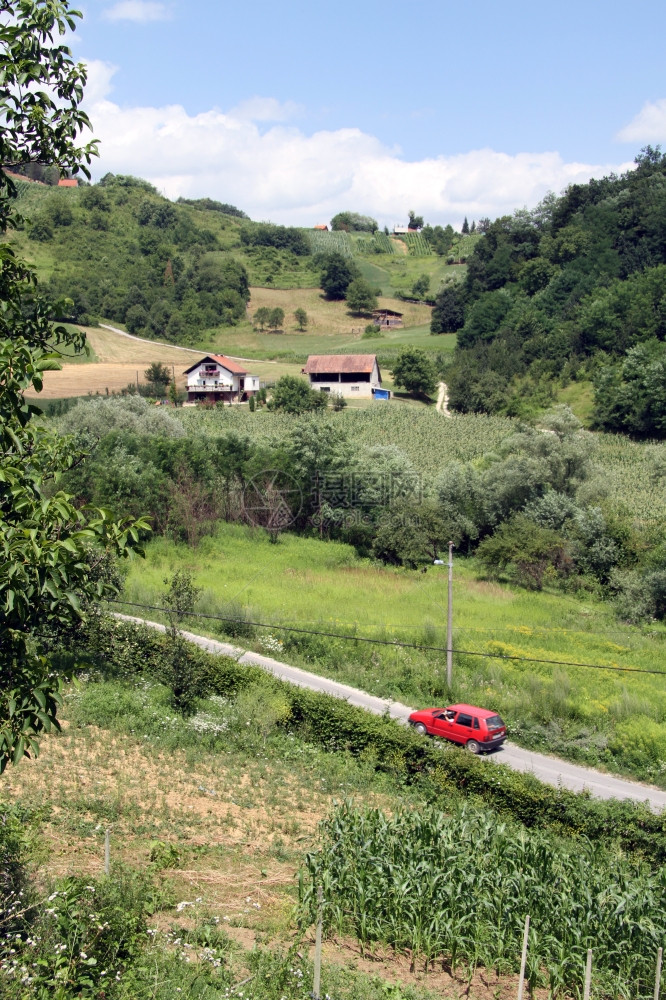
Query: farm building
{"type": "Point", "coordinates": [344, 374]}
{"type": "Point", "coordinates": [322, 226]}
{"type": "Point", "coordinates": [217, 379]}
{"type": "Point", "coordinates": [387, 318]}
{"type": "Point", "coordinates": [68, 182]}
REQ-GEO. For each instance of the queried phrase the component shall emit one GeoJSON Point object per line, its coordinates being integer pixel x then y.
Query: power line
{"type": "Point", "coordinates": [388, 642]}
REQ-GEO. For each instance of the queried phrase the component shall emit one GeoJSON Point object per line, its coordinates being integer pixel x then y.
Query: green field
{"type": "Point", "coordinates": [398, 272]}
{"type": "Point", "coordinates": [605, 717]}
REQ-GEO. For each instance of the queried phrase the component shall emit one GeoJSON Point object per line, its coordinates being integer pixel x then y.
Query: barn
{"type": "Point", "coordinates": [353, 375]}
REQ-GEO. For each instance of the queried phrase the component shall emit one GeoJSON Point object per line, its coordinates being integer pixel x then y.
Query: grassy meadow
{"type": "Point", "coordinates": [601, 716]}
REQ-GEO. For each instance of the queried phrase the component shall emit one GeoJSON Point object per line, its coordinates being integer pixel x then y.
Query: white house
{"type": "Point", "coordinates": [344, 374]}
{"type": "Point", "coordinates": [217, 379]}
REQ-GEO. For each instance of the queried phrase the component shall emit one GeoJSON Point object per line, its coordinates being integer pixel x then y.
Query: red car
{"type": "Point", "coordinates": [475, 728]}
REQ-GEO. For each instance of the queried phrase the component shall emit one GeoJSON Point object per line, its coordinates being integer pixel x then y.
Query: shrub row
{"type": "Point", "coordinates": [132, 650]}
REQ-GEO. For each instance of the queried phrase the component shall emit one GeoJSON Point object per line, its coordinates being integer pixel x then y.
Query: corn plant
{"type": "Point", "coordinates": [456, 888]}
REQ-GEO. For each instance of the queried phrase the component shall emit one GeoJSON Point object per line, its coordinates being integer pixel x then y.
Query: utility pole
{"type": "Point", "coordinates": [449, 622]}
{"type": "Point", "coordinates": [449, 616]}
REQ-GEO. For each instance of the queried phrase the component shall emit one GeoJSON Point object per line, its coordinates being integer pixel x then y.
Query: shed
{"type": "Point", "coordinates": [387, 318]}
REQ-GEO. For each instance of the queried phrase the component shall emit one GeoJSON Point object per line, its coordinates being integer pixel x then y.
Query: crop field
{"type": "Point", "coordinates": [456, 887]}
{"type": "Point", "coordinates": [223, 832]}
{"type": "Point", "coordinates": [416, 245]}
{"type": "Point", "coordinates": [220, 833]}
{"type": "Point", "coordinates": [330, 242]}
{"type": "Point", "coordinates": [627, 474]}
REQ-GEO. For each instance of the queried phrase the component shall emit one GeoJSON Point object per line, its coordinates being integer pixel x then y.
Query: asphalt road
{"type": "Point", "coordinates": [551, 770]}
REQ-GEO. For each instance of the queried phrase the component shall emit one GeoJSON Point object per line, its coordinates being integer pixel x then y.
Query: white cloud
{"type": "Point", "coordinates": [649, 125]}
{"type": "Point", "coordinates": [285, 175]}
{"type": "Point", "coordinates": [140, 11]}
{"type": "Point", "coordinates": [266, 109]}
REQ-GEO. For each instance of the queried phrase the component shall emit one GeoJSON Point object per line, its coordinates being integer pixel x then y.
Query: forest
{"type": "Point", "coordinates": [573, 290]}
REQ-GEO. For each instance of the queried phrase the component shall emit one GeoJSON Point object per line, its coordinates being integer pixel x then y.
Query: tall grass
{"type": "Point", "coordinates": [595, 716]}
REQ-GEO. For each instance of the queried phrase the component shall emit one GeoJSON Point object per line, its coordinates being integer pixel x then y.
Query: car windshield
{"type": "Point", "coordinates": [494, 722]}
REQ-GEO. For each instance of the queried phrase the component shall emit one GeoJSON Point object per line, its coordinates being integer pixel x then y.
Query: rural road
{"type": "Point", "coordinates": [176, 347]}
{"type": "Point", "coordinates": [442, 404]}
{"type": "Point", "coordinates": [551, 770]}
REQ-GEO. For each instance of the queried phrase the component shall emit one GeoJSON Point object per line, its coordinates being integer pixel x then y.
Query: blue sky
{"type": "Point", "coordinates": [293, 111]}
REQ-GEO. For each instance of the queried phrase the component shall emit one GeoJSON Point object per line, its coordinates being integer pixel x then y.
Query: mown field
{"type": "Point", "coordinates": [114, 360]}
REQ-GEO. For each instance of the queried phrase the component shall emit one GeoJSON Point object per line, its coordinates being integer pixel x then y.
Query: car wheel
{"type": "Point", "coordinates": [420, 728]}
{"type": "Point", "coordinates": [473, 746]}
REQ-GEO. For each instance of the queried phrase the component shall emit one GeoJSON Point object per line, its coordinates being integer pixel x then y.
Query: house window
{"type": "Point", "coordinates": [355, 388]}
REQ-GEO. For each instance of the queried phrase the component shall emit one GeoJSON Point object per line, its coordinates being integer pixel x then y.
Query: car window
{"type": "Point", "coordinates": [476, 723]}
{"type": "Point", "coordinates": [464, 720]}
{"type": "Point", "coordinates": [494, 722]}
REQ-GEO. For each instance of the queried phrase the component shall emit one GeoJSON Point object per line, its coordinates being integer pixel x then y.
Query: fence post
{"type": "Point", "coordinates": [523, 959]}
{"type": "Point", "coordinates": [317, 958]}
{"type": "Point", "coordinates": [107, 851]}
{"type": "Point", "coordinates": [588, 975]}
{"type": "Point", "coordinates": [657, 978]}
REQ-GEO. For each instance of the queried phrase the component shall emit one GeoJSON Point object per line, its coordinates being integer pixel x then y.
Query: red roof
{"type": "Point", "coordinates": [219, 359]}
{"type": "Point", "coordinates": [324, 364]}
{"type": "Point", "coordinates": [68, 182]}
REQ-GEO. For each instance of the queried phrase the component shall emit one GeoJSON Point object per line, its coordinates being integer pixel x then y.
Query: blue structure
{"type": "Point", "coordinates": [381, 393]}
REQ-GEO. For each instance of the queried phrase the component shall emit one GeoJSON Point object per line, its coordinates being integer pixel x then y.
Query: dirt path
{"type": "Point", "coordinates": [442, 405]}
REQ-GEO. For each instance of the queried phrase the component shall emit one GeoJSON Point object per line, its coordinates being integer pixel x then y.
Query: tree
{"type": "Point", "coordinates": [158, 377]}
{"type": "Point", "coordinates": [526, 549]}
{"type": "Point", "coordinates": [360, 296]}
{"type": "Point", "coordinates": [136, 318]}
{"type": "Point", "coordinates": [52, 551]}
{"type": "Point", "coordinates": [337, 275]}
{"type": "Point", "coordinates": [301, 318]}
{"type": "Point", "coordinates": [293, 395]}
{"type": "Point", "coordinates": [412, 532]}
{"type": "Point", "coordinates": [276, 318]}
{"type": "Point", "coordinates": [465, 227]}
{"type": "Point", "coordinates": [262, 316]}
{"type": "Point", "coordinates": [415, 372]}
{"type": "Point", "coordinates": [449, 313]}
{"type": "Point", "coordinates": [415, 221]}
{"type": "Point", "coordinates": [180, 662]}
{"type": "Point", "coordinates": [630, 396]}
{"type": "Point", "coordinates": [421, 286]}
{"type": "Point", "coordinates": [352, 222]}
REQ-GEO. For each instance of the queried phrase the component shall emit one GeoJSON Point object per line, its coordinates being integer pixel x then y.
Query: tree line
{"type": "Point", "coordinates": [572, 290]}
{"type": "Point", "coordinates": [523, 512]}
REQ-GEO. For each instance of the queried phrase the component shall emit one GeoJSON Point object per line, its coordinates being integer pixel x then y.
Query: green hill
{"type": "Point", "coordinates": [179, 271]}
{"type": "Point", "coordinates": [574, 290]}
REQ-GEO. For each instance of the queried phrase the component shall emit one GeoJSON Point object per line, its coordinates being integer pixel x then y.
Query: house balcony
{"type": "Point", "coordinates": [201, 386]}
